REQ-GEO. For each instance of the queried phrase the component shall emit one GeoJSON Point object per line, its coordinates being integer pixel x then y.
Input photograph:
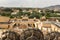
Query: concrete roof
{"type": "Point", "coordinates": [4, 19]}
{"type": "Point", "coordinates": [46, 25]}
{"type": "Point", "coordinates": [5, 26]}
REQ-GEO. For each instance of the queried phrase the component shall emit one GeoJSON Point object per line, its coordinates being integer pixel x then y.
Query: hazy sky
{"type": "Point", "coordinates": [28, 3]}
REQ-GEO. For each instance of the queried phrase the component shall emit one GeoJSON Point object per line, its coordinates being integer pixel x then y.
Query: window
{"type": "Point", "coordinates": [35, 20]}
{"type": "Point", "coordinates": [45, 29]}
{"type": "Point", "coordinates": [24, 19]}
{"type": "Point", "coordinates": [29, 25]}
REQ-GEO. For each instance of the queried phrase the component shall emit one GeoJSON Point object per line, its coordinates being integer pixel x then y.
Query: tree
{"type": "Point", "coordinates": [7, 10]}
{"type": "Point", "coordinates": [11, 16]}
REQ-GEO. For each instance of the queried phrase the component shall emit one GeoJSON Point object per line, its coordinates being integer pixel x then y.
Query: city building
{"type": "Point", "coordinates": [48, 26]}
{"type": "Point", "coordinates": [4, 22]}
{"type": "Point", "coordinates": [24, 21]}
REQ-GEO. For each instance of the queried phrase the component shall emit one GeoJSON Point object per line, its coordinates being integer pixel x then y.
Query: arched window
{"type": "Point", "coordinates": [29, 25]}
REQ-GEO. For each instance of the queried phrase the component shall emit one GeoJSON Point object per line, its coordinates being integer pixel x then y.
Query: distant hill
{"type": "Point", "coordinates": [53, 7]}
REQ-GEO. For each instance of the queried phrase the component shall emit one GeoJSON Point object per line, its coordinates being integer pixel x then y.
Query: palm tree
{"type": "Point", "coordinates": [53, 36]}
{"type": "Point", "coordinates": [32, 34]}
{"type": "Point", "coordinates": [10, 35]}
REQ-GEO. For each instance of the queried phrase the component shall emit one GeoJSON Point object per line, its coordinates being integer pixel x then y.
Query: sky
{"type": "Point", "coordinates": [29, 3]}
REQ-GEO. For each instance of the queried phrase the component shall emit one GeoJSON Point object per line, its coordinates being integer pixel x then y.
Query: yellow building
{"type": "Point", "coordinates": [4, 22]}
{"type": "Point", "coordinates": [24, 21]}
{"type": "Point", "coordinates": [47, 27]}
